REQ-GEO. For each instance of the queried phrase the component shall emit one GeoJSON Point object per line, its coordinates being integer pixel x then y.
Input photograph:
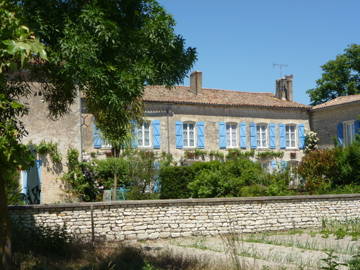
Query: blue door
{"type": "Point", "coordinates": [31, 183]}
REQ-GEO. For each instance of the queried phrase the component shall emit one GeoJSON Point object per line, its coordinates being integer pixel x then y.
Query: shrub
{"type": "Point", "coordinates": [174, 181]}
{"type": "Point", "coordinates": [319, 169]}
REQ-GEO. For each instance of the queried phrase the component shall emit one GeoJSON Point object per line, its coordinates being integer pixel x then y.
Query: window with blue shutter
{"type": "Point", "coordinates": [282, 137]}
{"type": "Point", "coordinates": [200, 135]}
{"type": "Point", "coordinates": [253, 138]}
{"type": "Point", "coordinates": [134, 135]}
{"type": "Point", "coordinates": [357, 127]}
{"type": "Point", "coordinates": [222, 135]}
{"type": "Point", "coordinates": [179, 134]}
{"type": "Point", "coordinates": [156, 133]}
{"type": "Point", "coordinates": [243, 135]}
{"type": "Point", "coordinates": [97, 139]}
{"type": "Point", "coordinates": [340, 133]}
{"type": "Point", "coordinates": [301, 131]}
{"type": "Point", "coordinates": [272, 136]}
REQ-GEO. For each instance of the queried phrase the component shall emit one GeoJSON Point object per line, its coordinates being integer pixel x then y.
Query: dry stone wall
{"type": "Point", "coordinates": [139, 220]}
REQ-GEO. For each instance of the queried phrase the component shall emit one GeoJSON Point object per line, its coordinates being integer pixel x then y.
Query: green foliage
{"type": "Point", "coordinates": [237, 153]}
{"type": "Point", "coordinates": [80, 178]}
{"type": "Point", "coordinates": [319, 169]}
{"type": "Point", "coordinates": [269, 155]}
{"type": "Point", "coordinates": [341, 77]}
{"type": "Point", "coordinates": [174, 181]}
{"type": "Point", "coordinates": [38, 240]}
{"type": "Point", "coordinates": [331, 262]}
{"type": "Point", "coordinates": [108, 50]}
{"type": "Point", "coordinates": [13, 194]}
{"type": "Point", "coordinates": [216, 155]}
{"type": "Point", "coordinates": [238, 177]}
{"type": "Point", "coordinates": [49, 148]}
{"type": "Point", "coordinates": [329, 170]}
{"type": "Point", "coordinates": [354, 262]}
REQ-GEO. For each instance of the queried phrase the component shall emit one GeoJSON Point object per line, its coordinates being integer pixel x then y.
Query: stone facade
{"type": "Point", "coordinates": [169, 114]}
{"type": "Point", "coordinates": [189, 104]}
{"type": "Point", "coordinates": [325, 120]}
{"type": "Point", "coordinates": [139, 220]}
{"type": "Point", "coordinates": [65, 132]}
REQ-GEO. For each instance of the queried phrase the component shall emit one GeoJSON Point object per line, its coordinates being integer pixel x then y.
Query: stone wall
{"type": "Point", "coordinates": [178, 218]}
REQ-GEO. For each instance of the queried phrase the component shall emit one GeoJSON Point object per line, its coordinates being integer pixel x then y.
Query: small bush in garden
{"type": "Point", "coordinates": [319, 169]}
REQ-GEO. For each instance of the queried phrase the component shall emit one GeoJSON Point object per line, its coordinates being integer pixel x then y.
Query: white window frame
{"type": "Point", "coordinates": [348, 138]}
{"type": "Point", "coordinates": [230, 134]}
{"type": "Point", "coordinates": [260, 138]}
{"type": "Point", "coordinates": [288, 137]}
{"type": "Point", "coordinates": [141, 130]}
{"type": "Point", "coordinates": [186, 134]}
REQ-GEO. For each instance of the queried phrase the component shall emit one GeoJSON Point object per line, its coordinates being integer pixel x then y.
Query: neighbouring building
{"type": "Point", "coordinates": [182, 119]}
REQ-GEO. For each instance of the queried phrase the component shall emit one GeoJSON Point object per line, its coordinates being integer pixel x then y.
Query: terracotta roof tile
{"type": "Point", "coordinates": [338, 101]}
{"type": "Point", "coordinates": [182, 94]}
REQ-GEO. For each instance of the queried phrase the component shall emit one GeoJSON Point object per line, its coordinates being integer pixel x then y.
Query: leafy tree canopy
{"type": "Point", "coordinates": [341, 77]}
{"type": "Point", "coordinates": [108, 50]}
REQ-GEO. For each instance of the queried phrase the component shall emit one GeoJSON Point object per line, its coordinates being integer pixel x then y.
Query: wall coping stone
{"type": "Point", "coordinates": [169, 202]}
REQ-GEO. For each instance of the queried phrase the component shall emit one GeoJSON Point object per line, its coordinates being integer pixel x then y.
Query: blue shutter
{"type": "Point", "coordinates": [357, 127]}
{"type": "Point", "coordinates": [340, 133]}
{"type": "Point", "coordinates": [272, 136]}
{"type": "Point", "coordinates": [253, 139]}
{"type": "Point", "coordinates": [156, 133]}
{"type": "Point", "coordinates": [200, 135]}
{"type": "Point", "coordinates": [274, 164]}
{"type": "Point", "coordinates": [179, 134]}
{"type": "Point", "coordinates": [222, 135]}
{"type": "Point", "coordinates": [97, 140]}
{"type": "Point", "coordinates": [242, 135]}
{"type": "Point", "coordinates": [134, 138]}
{"type": "Point", "coordinates": [24, 180]}
{"type": "Point", "coordinates": [282, 136]}
{"type": "Point", "coordinates": [301, 130]}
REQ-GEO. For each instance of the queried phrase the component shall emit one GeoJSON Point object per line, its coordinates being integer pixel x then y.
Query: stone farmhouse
{"type": "Point", "coordinates": [185, 118]}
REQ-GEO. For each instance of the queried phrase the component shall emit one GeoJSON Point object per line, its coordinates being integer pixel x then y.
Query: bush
{"type": "Point", "coordinates": [174, 181]}
{"type": "Point", "coordinates": [330, 170]}
{"type": "Point", "coordinates": [319, 169]}
{"type": "Point", "coordinates": [237, 177]}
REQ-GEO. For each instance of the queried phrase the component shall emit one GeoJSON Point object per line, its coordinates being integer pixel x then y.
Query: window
{"type": "Point", "coordinates": [261, 135]}
{"type": "Point", "coordinates": [143, 135]}
{"type": "Point", "coordinates": [231, 138]}
{"type": "Point", "coordinates": [290, 136]}
{"type": "Point", "coordinates": [349, 132]}
{"type": "Point", "coordinates": [189, 135]}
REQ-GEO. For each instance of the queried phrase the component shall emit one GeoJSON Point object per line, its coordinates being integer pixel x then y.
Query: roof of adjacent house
{"type": "Point", "coordinates": [338, 101]}
{"type": "Point", "coordinates": [183, 94]}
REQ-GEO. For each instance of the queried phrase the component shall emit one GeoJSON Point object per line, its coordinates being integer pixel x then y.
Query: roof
{"type": "Point", "coordinates": [338, 101]}
{"type": "Point", "coordinates": [183, 95]}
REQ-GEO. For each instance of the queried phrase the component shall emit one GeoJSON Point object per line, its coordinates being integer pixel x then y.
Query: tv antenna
{"type": "Point", "coordinates": [280, 67]}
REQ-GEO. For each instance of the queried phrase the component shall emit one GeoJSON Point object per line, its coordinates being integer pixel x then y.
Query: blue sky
{"type": "Point", "coordinates": [238, 41]}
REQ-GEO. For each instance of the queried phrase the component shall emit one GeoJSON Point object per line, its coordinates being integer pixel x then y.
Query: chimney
{"type": "Point", "coordinates": [284, 88]}
{"type": "Point", "coordinates": [196, 82]}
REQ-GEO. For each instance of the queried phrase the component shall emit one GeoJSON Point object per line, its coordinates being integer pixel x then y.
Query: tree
{"type": "Point", "coordinates": [17, 45]}
{"type": "Point", "coordinates": [107, 50]}
{"type": "Point", "coordinates": [341, 77]}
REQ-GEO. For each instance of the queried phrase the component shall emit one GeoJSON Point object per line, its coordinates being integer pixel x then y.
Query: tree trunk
{"type": "Point", "coordinates": [5, 234]}
{"type": "Point", "coordinates": [114, 188]}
